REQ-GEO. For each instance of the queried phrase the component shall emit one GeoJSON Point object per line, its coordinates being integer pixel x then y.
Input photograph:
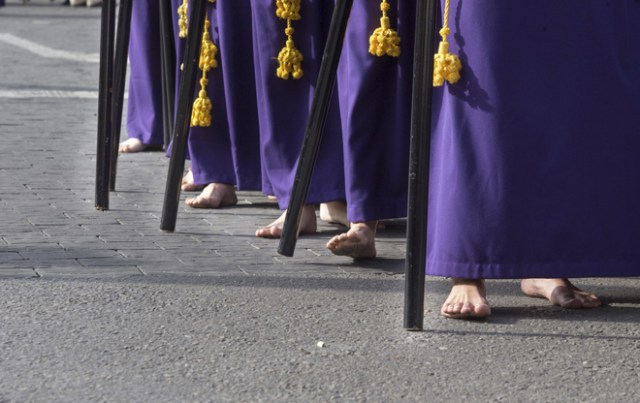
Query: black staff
{"type": "Point", "coordinates": [418, 201]}
{"type": "Point", "coordinates": [105, 88]}
{"type": "Point", "coordinates": [168, 55]}
{"type": "Point", "coordinates": [111, 88]}
{"type": "Point", "coordinates": [183, 115]}
{"type": "Point", "coordinates": [315, 125]}
{"type": "Point", "coordinates": [120, 74]}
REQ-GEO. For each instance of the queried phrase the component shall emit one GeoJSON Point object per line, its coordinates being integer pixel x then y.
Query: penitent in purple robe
{"type": "Point", "coordinates": [284, 105]}
{"type": "Point", "coordinates": [228, 150]}
{"type": "Point", "coordinates": [375, 106]}
{"type": "Point", "coordinates": [535, 168]}
{"type": "Point", "coordinates": [236, 58]}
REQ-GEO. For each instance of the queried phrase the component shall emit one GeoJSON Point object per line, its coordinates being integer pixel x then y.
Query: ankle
{"type": "Point", "coordinates": [479, 282]}
{"type": "Point", "coordinates": [372, 225]}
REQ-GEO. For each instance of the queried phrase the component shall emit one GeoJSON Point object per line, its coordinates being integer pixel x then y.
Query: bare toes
{"type": "Point", "coordinates": [482, 311]}
{"type": "Point", "coordinates": [131, 145]}
{"type": "Point", "coordinates": [465, 311]}
{"type": "Point", "coordinates": [588, 300]}
{"type": "Point", "coordinates": [201, 202]}
{"type": "Point", "coordinates": [560, 291]}
{"type": "Point", "coordinates": [336, 240]}
{"type": "Point", "coordinates": [269, 232]}
{"type": "Point", "coordinates": [357, 243]}
{"type": "Point", "coordinates": [467, 300]}
{"type": "Point", "coordinates": [307, 224]}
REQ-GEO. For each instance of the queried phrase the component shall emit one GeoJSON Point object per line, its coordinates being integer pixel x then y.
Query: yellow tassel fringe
{"type": "Point", "coordinates": [384, 40]}
{"type": "Point", "coordinates": [183, 10]}
{"type": "Point", "coordinates": [290, 58]}
{"type": "Point", "coordinates": [446, 66]}
{"type": "Point", "coordinates": [182, 19]}
{"type": "Point", "coordinates": [288, 9]}
{"type": "Point", "coordinates": [201, 113]}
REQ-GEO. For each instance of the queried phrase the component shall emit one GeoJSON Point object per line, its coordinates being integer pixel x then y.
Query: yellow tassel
{"type": "Point", "coordinates": [384, 40]}
{"type": "Point", "coordinates": [290, 58]}
{"type": "Point", "coordinates": [182, 19]}
{"type": "Point", "coordinates": [183, 10]}
{"type": "Point", "coordinates": [208, 50]}
{"type": "Point", "coordinates": [201, 114]}
{"type": "Point", "coordinates": [446, 66]}
{"type": "Point", "coordinates": [288, 9]}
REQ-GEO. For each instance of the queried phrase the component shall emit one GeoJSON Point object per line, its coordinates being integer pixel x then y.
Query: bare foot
{"type": "Point", "coordinates": [131, 145]}
{"type": "Point", "coordinates": [359, 242]}
{"type": "Point", "coordinates": [188, 184]}
{"type": "Point", "coordinates": [215, 195]}
{"type": "Point", "coordinates": [308, 224]}
{"type": "Point", "coordinates": [334, 212]}
{"type": "Point", "coordinates": [559, 291]}
{"type": "Point", "coordinates": [467, 300]}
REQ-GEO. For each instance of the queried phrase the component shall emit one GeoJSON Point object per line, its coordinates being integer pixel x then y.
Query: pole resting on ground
{"type": "Point", "coordinates": [418, 199]}
{"type": "Point", "coordinates": [105, 89]}
{"type": "Point", "coordinates": [119, 77]}
{"type": "Point", "coordinates": [315, 125]}
{"type": "Point", "coordinates": [183, 115]}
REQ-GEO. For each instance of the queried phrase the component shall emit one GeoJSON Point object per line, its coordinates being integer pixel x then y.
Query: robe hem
{"type": "Point", "coordinates": [534, 270]}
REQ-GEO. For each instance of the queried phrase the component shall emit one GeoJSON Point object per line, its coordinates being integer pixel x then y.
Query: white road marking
{"type": "Point", "coordinates": [48, 52]}
{"type": "Point", "coordinates": [30, 94]}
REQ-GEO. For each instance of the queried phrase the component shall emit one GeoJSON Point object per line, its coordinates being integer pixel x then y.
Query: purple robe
{"type": "Point", "coordinates": [284, 105]}
{"type": "Point", "coordinates": [228, 151]}
{"type": "Point", "coordinates": [236, 59]}
{"type": "Point", "coordinates": [144, 107]}
{"type": "Point", "coordinates": [375, 105]}
{"type": "Point", "coordinates": [209, 148]}
{"type": "Point", "coordinates": [535, 169]}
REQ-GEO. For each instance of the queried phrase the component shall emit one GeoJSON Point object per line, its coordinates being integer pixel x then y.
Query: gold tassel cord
{"type": "Point", "coordinates": [384, 40]}
{"type": "Point", "coordinates": [447, 66]}
{"type": "Point", "coordinates": [288, 9]}
{"type": "Point", "coordinates": [201, 113]}
{"type": "Point", "coordinates": [183, 10]}
{"type": "Point", "coordinates": [290, 58]}
{"type": "Point", "coordinates": [182, 19]}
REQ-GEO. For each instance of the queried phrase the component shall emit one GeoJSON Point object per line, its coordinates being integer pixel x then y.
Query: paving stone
{"type": "Point", "coordinates": [204, 268]}
{"type": "Point", "coordinates": [108, 261]}
{"type": "Point", "coordinates": [44, 263]}
{"type": "Point", "coordinates": [28, 238]}
{"type": "Point", "coordinates": [9, 256]}
{"type": "Point", "coordinates": [136, 244]}
{"type": "Point", "coordinates": [6, 273]}
{"type": "Point", "coordinates": [94, 273]}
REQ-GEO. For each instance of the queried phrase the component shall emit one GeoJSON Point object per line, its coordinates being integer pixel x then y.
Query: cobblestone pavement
{"type": "Point", "coordinates": [103, 306]}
